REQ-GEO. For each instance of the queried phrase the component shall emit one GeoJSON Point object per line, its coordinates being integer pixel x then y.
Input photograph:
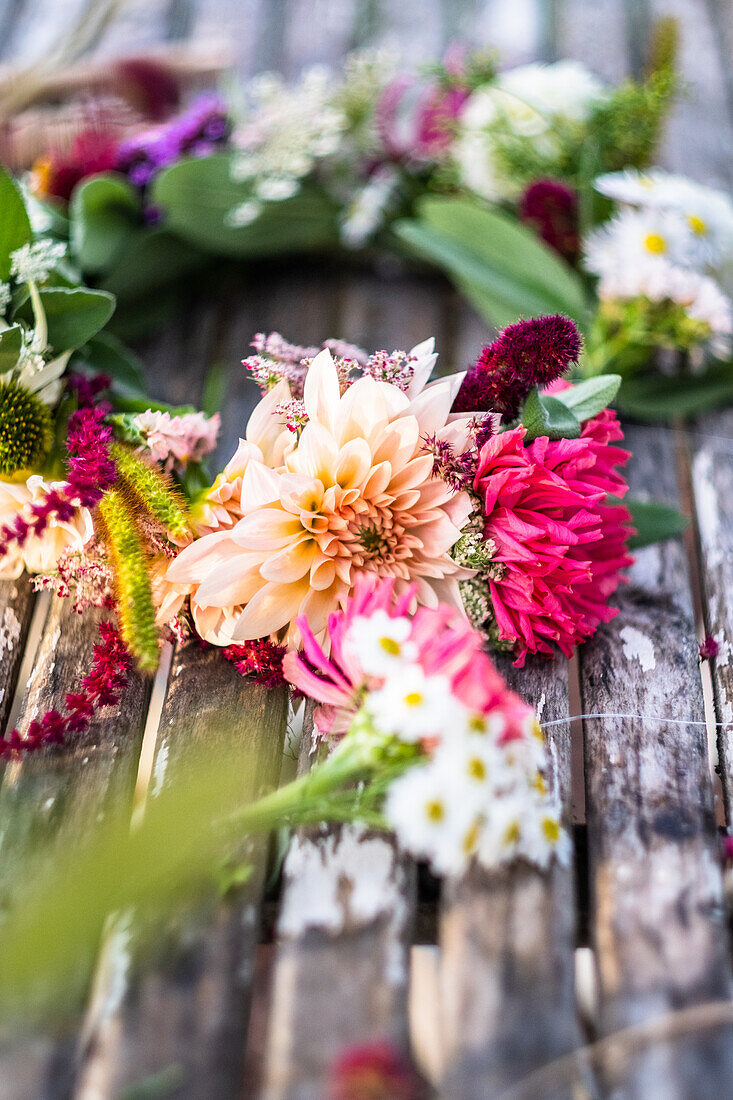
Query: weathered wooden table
{"type": "Point", "coordinates": [493, 982]}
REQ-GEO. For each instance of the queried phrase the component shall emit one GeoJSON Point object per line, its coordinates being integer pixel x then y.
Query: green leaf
{"type": "Point", "coordinates": [544, 415]}
{"type": "Point", "coordinates": [105, 354]}
{"type": "Point", "coordinates": [657, 398]}
{"type": "Point", "coordinates": [74, 315]}
{"type": "Point", "coordinates": [104, 213]}
{"type": "Point", "coordinates": [15, 227]}
{"type": "Point", "coordinates": [150, 260]}
{"type": "Point", "coordinates": [500, 265]}
{"type": "Point", "coordinates": [587, 399]}
{"type": "Point", "coordinates": [11, 341]}
{"type": "Point", "coordinates": [654, 522]}
{"type": "Point", "coordinates": [198, 195]}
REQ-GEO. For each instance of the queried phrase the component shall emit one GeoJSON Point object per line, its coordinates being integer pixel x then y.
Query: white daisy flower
{"type": "Point", "coordinates": [413, 706]}
{"type": "Point", "coordinates": [380, 643]}
{"type": "Point", "coordinates": [430, 820]}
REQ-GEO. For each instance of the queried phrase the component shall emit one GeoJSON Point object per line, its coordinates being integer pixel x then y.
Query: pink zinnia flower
{"type": "Point", "coordinates": [560, 543]}
{"type": "Point", "coordinates": [440, 639]}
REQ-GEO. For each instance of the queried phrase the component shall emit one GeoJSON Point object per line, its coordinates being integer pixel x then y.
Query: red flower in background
{"type": "Point", "coordinates": [562, 546]}
{"type": "Point", "coordinates": [551, 208]}
{"type": "Point", "coordinates": [56, 174]}
{"type": "Point", "coordinates": [374, 1071]}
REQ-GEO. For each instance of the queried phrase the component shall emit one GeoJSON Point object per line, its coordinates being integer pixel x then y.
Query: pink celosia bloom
{"type": "Point", "coordinates": [39, 553]}
{"type": "Point", "coordinates": [353, 494]}
{"type": "Point", "coordinates": [561, 545]}
{"type": "Point", "coordinates": [443, 642]}
{"type": "Point", "coordinates": [177, 440]}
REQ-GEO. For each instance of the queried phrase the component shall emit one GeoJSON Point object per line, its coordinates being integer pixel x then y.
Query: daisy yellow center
{"type": "Point", "coordinates": [551, 829]}
{"type": "Point", "coordinates": [477, 768]}
{"type": "Point", "coordinates": [414, 699]}
{"type": "Point", "coordinates": [697, 225]}
{"type": "Point", "coordinates": [477, 724]}
{"type": "Point", "coordinates": [390, 646]}
{"type": "Point", "coordinates": [539, 784]}
{"type": "Point", "coordinates": [434, 810]}
{"type": "Point", "coordinates": [512, 833]}
{"type": "Point", "coordinates": [653, 242]}
{"type": "Point", "coordinates": [470, 840]}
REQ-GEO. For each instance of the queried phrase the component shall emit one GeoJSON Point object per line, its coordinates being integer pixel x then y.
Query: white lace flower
{"type": "Point", "coordinates": [4, 296]}
{"type": "Point", "coordinates": [32, 262]}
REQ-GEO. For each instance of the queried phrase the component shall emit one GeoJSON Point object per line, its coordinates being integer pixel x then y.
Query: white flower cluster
{"type": "Point", "coordinates": [532, 102]}
{"type": "Point", "coordinates": [477, 795]}
{"type": "Point", "coordinates": [285, 131]}
{"type": "Point", "coordinates": [32, 262]}
{"type": "Point", "coordinates": [671, 240]}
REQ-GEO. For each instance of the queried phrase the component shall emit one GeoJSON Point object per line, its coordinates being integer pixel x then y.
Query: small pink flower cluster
{"type": "Point", "coordinates": [81, 575]}
{"type": "Point", "coordinates": [91, 472]}
{"type": "Point", "coordinates": [175, 441]}
{"type": "Point", "coordinates": [101, 687]}
{"type": "Point", "coordinates": [277, 360]}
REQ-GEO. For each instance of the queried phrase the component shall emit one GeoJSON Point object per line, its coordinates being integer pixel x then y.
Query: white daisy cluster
{"type": "Point", "coordinates": [476, 795]}
{"type": "Point", "coordinates": [671, 241]}
{"type": "Point", "coordinates": [532, 103]}
{"type": "Point", "coordinates": [284, 132]}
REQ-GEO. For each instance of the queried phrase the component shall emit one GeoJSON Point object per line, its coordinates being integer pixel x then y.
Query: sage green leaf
{"type": "Point", "coordinates": [587, 399]}
{"type": "Point", "coordinates": [198, 195]}
{"type": "Point", "coordinates": [11, 341]}
{"type": "Point", "coordinates": [544, 415]}
{"type": "Point", "coordinates": [73, 315]}
{"type": "Point", "coordinates": [150, 261]}
{"type": "Point", "coordinates": [105, 354]}
{"type": "Point", "coordinates": [104, 213]}
{"type": "Point", "coordinates": [15, 227]}
{"type": "Point", "coordinates": [500, 265]}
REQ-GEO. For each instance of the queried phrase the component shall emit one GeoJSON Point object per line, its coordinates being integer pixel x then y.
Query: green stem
{"type": "Point", "coordinates": [39, 317]}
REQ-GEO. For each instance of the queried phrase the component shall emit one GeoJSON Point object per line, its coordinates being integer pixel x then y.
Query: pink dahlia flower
{"type": "Point", "coordinates": [560, 544]}
{"type": "Point", "coordinates": [439, 639]}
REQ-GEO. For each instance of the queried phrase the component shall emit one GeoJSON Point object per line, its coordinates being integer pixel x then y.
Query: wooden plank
{"type": "Point", "coordinates": [184, 1010]}
{"type": "Point", "coordinates": [341, 970]}
{"type": "Point", "coordinates": [50, 799]}
{"type": "Point", "coordinates": [712, 482]}
{"type": "Point", "coordinates": [16, 606]}
{"type": "Point", "coordinates": [657, 923]}
{"type": "Point", "coordinates": [507, 942]}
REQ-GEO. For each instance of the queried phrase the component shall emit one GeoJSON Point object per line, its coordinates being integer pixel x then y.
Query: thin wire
{"type": "Point", "coordinates": [641, 717]}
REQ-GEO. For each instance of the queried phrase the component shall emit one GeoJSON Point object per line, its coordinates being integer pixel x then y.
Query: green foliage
{"type": "Point", "coordinates": [501, 266]}
{"type": "Point", "coordinates": [105, 354]}
{"type": "Point", "coordinates": [150, 261]}
{"type": "Point", "coordinates": [104, 213]}
{"type": "Point", "coordinates": [15, 228]}
{"type": "Point", "coordinates": [653, 522]}
{"type": "Point", "coordinates": [197, 196]}
{"type": "Point", "coordinates": [544, 415]}
{"type": "Point", "coordinates": [657, 398]}
{"type": "Point", "coordinates": [11, 342]}
{"type": "Point", "coordinates": [589, 398]}
{"type": "Point", "coordinates": [74, 314]}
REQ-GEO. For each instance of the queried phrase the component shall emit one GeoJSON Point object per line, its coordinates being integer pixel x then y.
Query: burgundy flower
{"type": "Point", "coordinates": [708, 648]}
{"type": "Point", "coordinates": [551, 208]}
{"type": "Point", "coordinates": [526, 354]}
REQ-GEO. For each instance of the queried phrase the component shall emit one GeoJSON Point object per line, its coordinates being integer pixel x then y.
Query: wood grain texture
{"type": "Point", "coordinates": [52, 798]}
{"type": "Point", "coordinates": [712, 480]}
{"type": "Point", "coordinates": [657, 922]}
{"type": "Point", "coordinates": [507, 943]}
{"type": "Point", "coordinates": [16, 607]}
{"type": "Point", "coordinates": [183, 1014]}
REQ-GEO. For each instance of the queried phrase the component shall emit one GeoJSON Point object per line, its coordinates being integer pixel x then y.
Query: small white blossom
{"type": "Point", "coordinates": [244, 214]}
{"type": "Point", "coordinates": [32, 262]}
{"type": "Point", "coordinates": [4, 296]}
{"type": "Point", "coordinates": [412, 705]}
{"type": "Point", "coordinates": [366, 212]}
{"type": "Point", "coordinates": [431, 819]}
{"type": "Point", "coordinates": [380, 643]}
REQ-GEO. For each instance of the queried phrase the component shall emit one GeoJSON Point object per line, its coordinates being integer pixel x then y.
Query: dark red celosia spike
{"type": "Point", "coordinates": [529, 353]}
{"type": "Point", "coordinates": [261, 659]}
{"type": "Point", "coordinates": [101, 686]}
{"type": "Point", "coordinates": [551, 209]}
{"type": "Point", "coordinates": [91, 472]}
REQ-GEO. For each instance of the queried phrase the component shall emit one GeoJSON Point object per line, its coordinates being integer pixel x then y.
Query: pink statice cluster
{"type": "Point", "coordinates": [561, 544]}
{"type": "Point", "coordinates": [101, 687]}
{"type": "Point", "coordinates": [277, 360]}
{"type": "Point", "coordinates": [175, 441]}
{"type": "Point", "coordinates": [91, 471]}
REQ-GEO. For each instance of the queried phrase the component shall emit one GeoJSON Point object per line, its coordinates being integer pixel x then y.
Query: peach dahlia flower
{"type": "Point", "coordinates": [39, 553]}
{"type": "Point", "coordinates": [353, 494]}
